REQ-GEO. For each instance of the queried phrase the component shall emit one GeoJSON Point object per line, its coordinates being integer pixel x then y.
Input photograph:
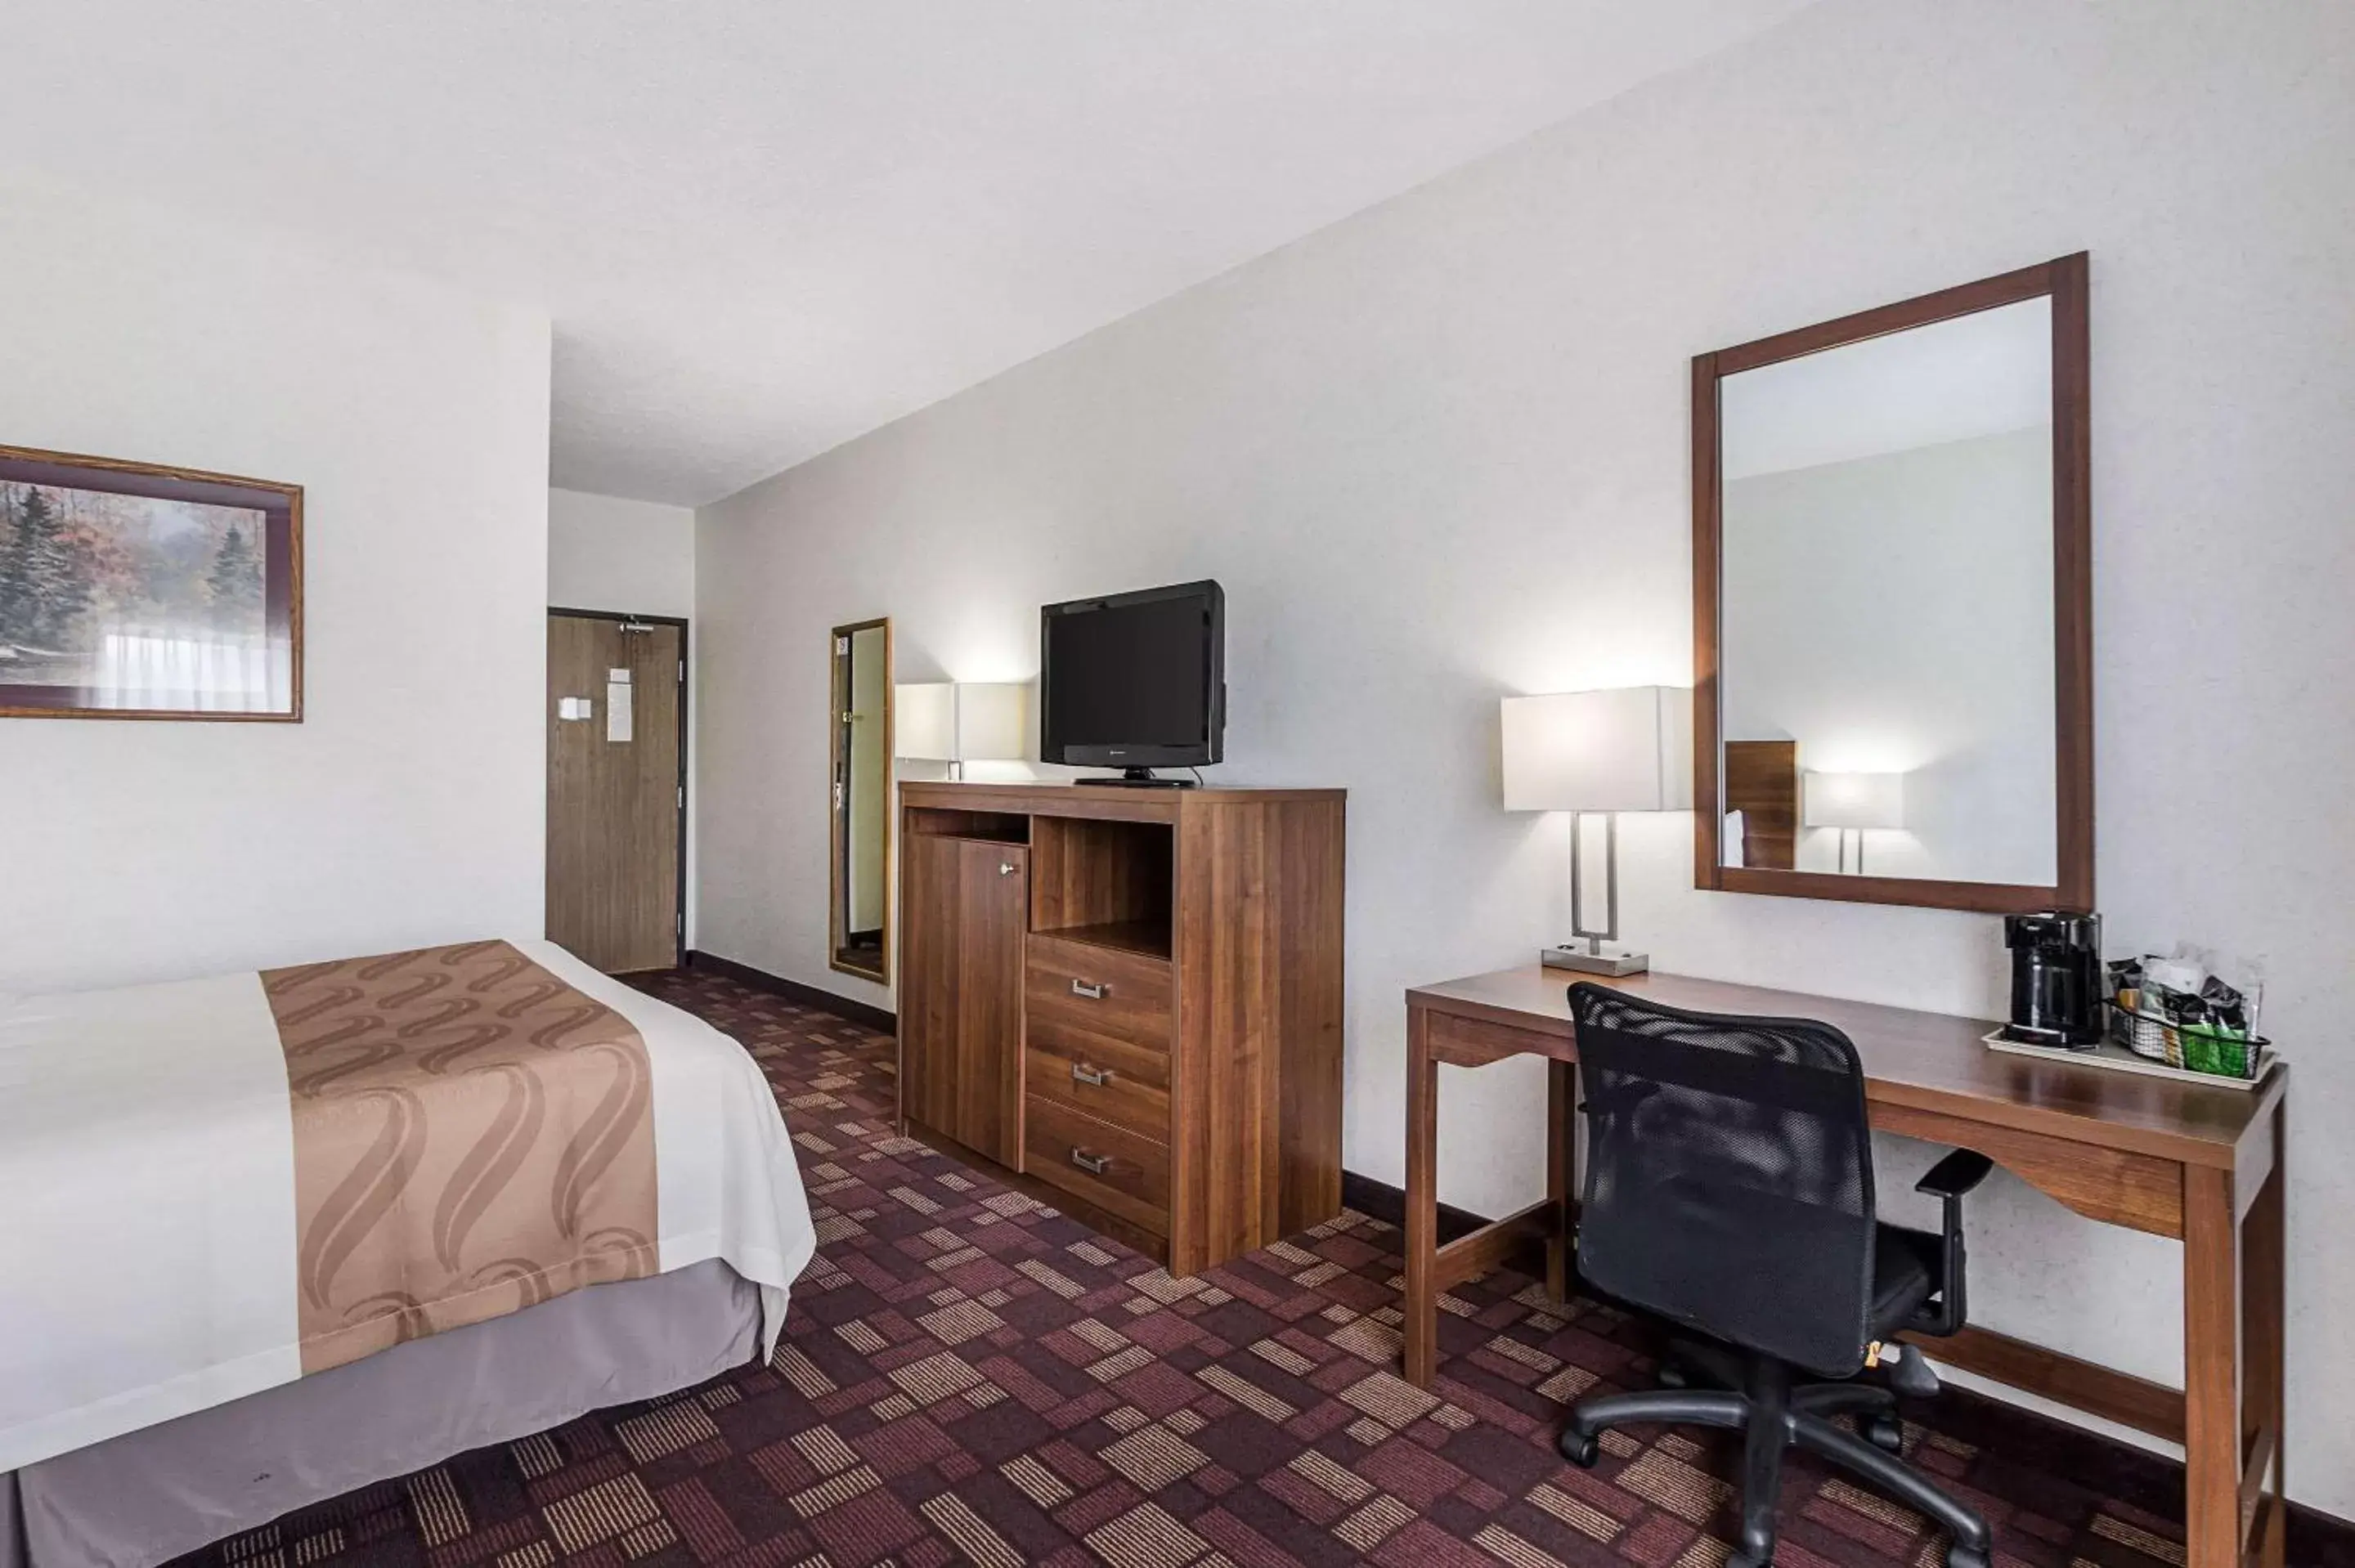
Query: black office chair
{"type": "Point", "coordinates": [1729, 1189]}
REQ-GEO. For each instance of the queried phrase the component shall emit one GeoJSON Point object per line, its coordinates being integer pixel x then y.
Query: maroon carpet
{"type": "Point", "coordinates": [967, 1377]}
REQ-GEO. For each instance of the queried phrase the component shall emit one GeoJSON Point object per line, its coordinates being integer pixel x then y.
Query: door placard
{"type": "Point", "coordinates": [617, 706]}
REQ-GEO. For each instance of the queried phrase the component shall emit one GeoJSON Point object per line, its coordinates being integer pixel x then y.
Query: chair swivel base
{"type": "Point", "coordinates": [1874, 1406]}
{"type": "Point", "coordinates": [1773, 1416]}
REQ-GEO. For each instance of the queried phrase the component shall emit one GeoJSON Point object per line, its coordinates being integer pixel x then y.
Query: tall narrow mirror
{"type": "Point", "coordinates": [1892, 603]}
{"type": "Point", "coordinates": [860, 885]}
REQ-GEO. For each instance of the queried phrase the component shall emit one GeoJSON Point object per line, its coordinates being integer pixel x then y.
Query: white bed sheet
{"type": "Point", "coordinates": [147, 1229]}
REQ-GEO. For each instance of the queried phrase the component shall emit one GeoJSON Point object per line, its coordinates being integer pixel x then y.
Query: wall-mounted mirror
{"type": "Point", "coordinates": [1892, 615]}
{"type": "Point", "coordinates": [859, 890]}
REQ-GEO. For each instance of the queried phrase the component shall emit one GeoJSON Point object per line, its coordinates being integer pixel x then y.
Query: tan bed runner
{"type": "Point", "coordinates": [471, 1137]}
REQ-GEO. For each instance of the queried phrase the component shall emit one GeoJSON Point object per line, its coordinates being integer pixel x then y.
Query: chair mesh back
{"type": "Point", "coordinates": [1729, 1182]}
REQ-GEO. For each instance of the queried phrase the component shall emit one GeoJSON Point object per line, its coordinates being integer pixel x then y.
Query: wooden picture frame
{"type": "Point", "coordinates": [2064, 281]}
{"type": "Point", "coordinates": [131, 590]}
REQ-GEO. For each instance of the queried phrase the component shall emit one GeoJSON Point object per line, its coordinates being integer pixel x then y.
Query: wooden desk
{"type": "Point", "coordinates": [2201, 1164]}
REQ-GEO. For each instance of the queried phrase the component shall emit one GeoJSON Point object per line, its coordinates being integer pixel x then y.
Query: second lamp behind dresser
{"type": "Point", "coordinates": [1133, 996]}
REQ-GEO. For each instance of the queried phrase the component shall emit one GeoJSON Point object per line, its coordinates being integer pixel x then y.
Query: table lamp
{"type": "Point", "coordinates": [1854, 801]}
{"type": "Point", "coordinates": [957, 722]}
{"type": "Point", "coordinates": [1611, 751]}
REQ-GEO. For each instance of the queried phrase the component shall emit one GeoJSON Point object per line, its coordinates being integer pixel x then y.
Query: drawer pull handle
{"type": "Point", "coordinates": [1005, 868]}
{"type": "Point", "coordinates": [1083, 1073]}
{"type": "Point", "coordinates": [1093, 1164]}
{"type": "Point", "coordinates": [1095, 990]}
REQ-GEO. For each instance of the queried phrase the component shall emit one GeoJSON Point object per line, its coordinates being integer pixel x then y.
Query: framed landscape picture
{"type": "Point", "coordinates": [132, 591]}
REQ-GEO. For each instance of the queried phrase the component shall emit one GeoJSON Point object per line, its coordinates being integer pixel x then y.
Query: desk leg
{"type": "Point", "coordinates": [1421, 1326]}
{"type": "Point", "coordinates": [2234, 1352]}
{"type": "Point", "coordinates": [1562, 1173]}
{"type": "Point", "coordinates": [2263, 1347]}
{"type": "Point", "coordinates": [2212, 1370]}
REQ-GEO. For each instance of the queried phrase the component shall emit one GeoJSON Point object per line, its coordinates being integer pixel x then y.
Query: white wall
{"type": "Point", "coordinates": [606, 553]}
{"type": "Point", "coordinates": [1437, 454]}
{"type": "Point", "coordinates": [407, 807]}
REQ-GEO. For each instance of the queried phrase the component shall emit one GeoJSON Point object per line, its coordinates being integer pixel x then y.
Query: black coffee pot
{"type": "Point", "coordinates": [2056, 978]}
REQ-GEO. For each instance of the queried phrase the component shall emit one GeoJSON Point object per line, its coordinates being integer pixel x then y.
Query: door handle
{"type": "Point", "coordinates": [1093, 1164]}
{"type": "Point", "coordinates": [1005, 868]}
{"type": "Point", "coordinates": [1095, 991]}
{"type": "Point", "coordinates": [1083, 1073]}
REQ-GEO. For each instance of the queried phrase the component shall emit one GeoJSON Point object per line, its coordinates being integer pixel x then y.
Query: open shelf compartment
{"type": "Point", "coordinates": [1109, 883]}
{"type": "Point", "coordinates": [993, 827]}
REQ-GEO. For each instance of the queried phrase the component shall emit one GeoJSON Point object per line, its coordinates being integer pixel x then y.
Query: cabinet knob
{"type": "Point", "coordinates": [1005, 868]}
{"type": "Point", "coordinates": [1093, 1164]}
{"type": "Point", "coordinates": [1083, 1073]}
{"type": "Point", "coordinates": [1094, 990]}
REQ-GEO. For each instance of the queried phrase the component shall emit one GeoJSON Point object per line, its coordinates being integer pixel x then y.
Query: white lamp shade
{"type": "Point", "coordinates": [923, 722]}
{"type": "Point", "coordinates": [950, 721]}
{"type": "Point", "coordinates": [1624, 750]}
{"type": "Point", "coordinates": [993, 722]}
{"type": "Point", "coordinates": [1855, 801]}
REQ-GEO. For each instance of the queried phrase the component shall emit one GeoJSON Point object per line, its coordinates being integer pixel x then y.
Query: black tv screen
{"type": "Point", "coordinates": [1135, 680]}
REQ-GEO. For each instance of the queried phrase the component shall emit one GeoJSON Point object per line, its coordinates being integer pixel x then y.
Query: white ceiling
{"type": "Point", "coordinates": [764, 226]}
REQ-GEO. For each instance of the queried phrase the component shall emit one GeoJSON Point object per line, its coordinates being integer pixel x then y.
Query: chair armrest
{"type": "Point", "coordinates": [1956, 1174]}
{"type": "Point", "coordinates": [1947, 1181]}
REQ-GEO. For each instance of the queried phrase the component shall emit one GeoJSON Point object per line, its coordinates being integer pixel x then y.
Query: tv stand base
{"type": "Point", "coordinates": [1141, 778]}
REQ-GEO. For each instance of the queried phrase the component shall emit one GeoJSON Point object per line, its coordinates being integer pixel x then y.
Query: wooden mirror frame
{"type": "Point", "coordinates": [2064, 281]}
{"type": "Point", "coordinates": [837, 778]}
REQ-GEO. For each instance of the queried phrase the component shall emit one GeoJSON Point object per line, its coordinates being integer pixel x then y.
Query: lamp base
{"type": "Point", "coordinates": [1609, 961]}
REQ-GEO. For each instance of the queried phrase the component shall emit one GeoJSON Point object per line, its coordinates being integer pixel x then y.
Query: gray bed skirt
{"type": "Point", "coordinates": [149, 1496]}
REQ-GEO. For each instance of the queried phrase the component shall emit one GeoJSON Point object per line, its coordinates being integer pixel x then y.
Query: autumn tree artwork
{"type": "Point", "coordinates": [127, 590]}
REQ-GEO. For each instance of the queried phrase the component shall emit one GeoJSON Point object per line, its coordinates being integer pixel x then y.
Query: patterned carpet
{"type": "Point", "coordinates": [968, 1377]}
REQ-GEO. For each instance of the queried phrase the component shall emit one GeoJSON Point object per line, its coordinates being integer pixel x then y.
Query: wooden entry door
{"type": "Point", "coordinates": [616, 789]}
{"type": "Point", "coordinates": [961, 991]}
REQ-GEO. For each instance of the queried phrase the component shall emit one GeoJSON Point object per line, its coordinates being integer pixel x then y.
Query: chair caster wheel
{"type": "Point", "coordinates": [1579, 1449]}
{"type": "Point", "coordinates": [1965, 1557]}
{"type": "Point", "coordinates": [1887, 1433]}
{"type": "Point", "coordinates": [1671, 1375]}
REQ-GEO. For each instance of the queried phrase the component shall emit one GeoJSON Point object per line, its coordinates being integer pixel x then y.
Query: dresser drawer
{"type": "Point", "coordinates": [1114, 1169]}
{"type": "Point", "coordinates": [1101, 990]}
{"type": "Point", "coordinates": [1111, 1079]}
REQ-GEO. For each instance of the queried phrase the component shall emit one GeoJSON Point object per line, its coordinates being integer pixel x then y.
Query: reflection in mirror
{"type": "Point", "coordinates": [1886, 631]}
{"type": "Point", "coordinates": [859, 887]}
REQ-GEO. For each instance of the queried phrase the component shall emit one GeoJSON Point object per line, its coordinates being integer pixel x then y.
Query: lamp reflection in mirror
{"type": "Point", "coordinates": [1854, 802]}
{"type": "Point", "coordinates": [1608, 751]}
{"type": "Point", "coordinates": [957, 722]}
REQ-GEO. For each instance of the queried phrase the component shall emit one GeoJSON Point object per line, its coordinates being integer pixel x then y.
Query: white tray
{"type": "Point", "coordinates": [2120, 1059]}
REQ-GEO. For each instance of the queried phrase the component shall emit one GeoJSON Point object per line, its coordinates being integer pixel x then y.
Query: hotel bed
{"type": "Point", "coordinates": [271, 1236]}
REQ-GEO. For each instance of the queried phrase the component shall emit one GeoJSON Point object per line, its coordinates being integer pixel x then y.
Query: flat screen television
{"type": "Point", "coordinates": [1135, 681]}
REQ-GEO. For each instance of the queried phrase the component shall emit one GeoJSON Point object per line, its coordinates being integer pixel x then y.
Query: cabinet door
{"type": "Point", "coordinates": [993, 909]}
{"type": "Point", "coordinates": [928, 981]}
{"type": "Point", "coordinates": [961, 991]}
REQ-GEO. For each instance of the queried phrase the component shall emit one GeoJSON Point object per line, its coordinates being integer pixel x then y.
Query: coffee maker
{"type": "Point", "coordinates": [2056, 980]}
